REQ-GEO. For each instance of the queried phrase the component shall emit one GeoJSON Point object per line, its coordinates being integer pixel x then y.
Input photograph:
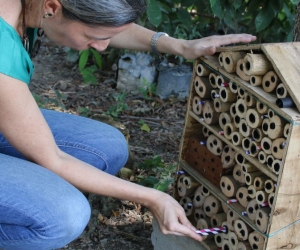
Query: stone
{"type": "Point", "coordinates": [173, 80]}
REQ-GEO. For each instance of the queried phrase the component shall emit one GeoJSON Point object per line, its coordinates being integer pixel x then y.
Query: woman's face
{"type": "Point", "coordinates": [79, 36]}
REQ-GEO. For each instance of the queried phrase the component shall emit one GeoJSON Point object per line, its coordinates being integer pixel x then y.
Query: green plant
{"type": "Point", "coordinates": [159, 175]}
{"type": "Point", "coordinates": [119, 107]}
{"type": "Point", "coordinates": [47, 102]}
{"type": "Point", "coordinates": [147, 89]}
{"type": "Point", "coordinates": [88, 71]}
{"type": "Point", "coordinates": [270, 20]}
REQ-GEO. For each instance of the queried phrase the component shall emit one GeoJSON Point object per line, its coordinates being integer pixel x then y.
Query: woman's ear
{"type": "Point", "coordinates": [52, 7]}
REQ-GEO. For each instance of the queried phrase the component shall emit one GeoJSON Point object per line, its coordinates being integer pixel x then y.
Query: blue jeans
{"type": "Point", "coordinates": [40, 210]}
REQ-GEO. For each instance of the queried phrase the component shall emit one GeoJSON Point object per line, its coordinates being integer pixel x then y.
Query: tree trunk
{"type": "Point", "coordinates": [296, 37]}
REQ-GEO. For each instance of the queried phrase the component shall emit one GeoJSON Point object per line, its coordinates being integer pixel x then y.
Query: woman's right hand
{"type": "Point", "coordinates": [171, 217]}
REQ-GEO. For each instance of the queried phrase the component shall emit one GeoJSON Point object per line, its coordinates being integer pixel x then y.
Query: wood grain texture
{"type": "Point", "coordinates": [286, 63]}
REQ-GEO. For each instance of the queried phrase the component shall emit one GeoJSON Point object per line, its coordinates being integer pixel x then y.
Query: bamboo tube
{"type": "Point", "coordinates": [277, 148]}
{"type": "Point", "coordinates": [236, 138]}
{"type": "Point", "coordinates": [254, 149]}
{"type": "Point", "coordinates": [240, 159]}
{"type": "Point", "coordinates": [205, 131]}
{"type": "Point", "coordinates": [237, 120]}
{"type": "Point", "coordinates": [245, 129]}
{"type": "Point", "coordinates": [286, 130]}
{"type": "Point", "coordinates": [220, 80]}
{"type": "Point", "coordinates": [261, 108]}
{"type": "Point", "coordinates": [265, 126]}
{"type": "Point", "coordinates": [242, 196]}
{"type": "Point", "coordinates": [228, 157]}
{"type": "Point", "coordinates": [249, 177]}
{"type": "Point", "coordinates": [221, 106]}
{"type": "Point", "coordinates": [251, 191]}
{"type": "Point", "coordinates": [197, 107]}
{"type": "Point", "coordinates": [213, 80]}
{"type": "Point", "coordinates": [277, 166]}
{"type": "Point", "coordinates": [262, 218]}
{"type": "Point", "coordinates": [230, 60]}
{"type": "Point", "coordinates": [215, 94]}
{"type": "Point", "coordinates": [259, 182]}
{"type": "Point", "coordinates": [257, 134]}
{"type": "Point", "coordinates": [281, 91]}
{"type": "Point", "coordinates": [231, 217]}
{"type": "Point", "coordinates": [255, 80]}
{"type": "Point", "coordinates": [271, 113]}
{"type": "Point", "coordinates": [262, 157]}
{"type": "Point", "coordinates": [233, 87]}
{"type": "Point", "coordinates": [199, 214]}
{"type": "Point", "coordinates": [204, 191]}
{"type": "Point", "coordinates": [181, 189]}
{"type": "Point", "coordinates": [214, 145]}
{"type": "Point", "coordinates": [246, 143]}
{"type": "Point", "coordinates": [270, 186]}
{"type": "Point", "coordinates": [270, 82]}
{"type": "Point", "coordinates": [199, 198]}
{"type": "Point", "coordinates": [256, 241]}
{"type": "Point", "coordinates": [218, 240]}
{"type": "Point", "coordinates": [276, 127]}
{"type": "Point", "coordinates": [271, 199]}
{"type": "Point", "coordinates": [247, 167]}
{"type": "Point", "coordinates": [240, 70]}
{"type": "Point", "coordinates": [217, 219]}
{"type": "Point", "coordinates": [187, 205]}
{"type": "Point", "coordinates": [226, 245]}
{"type": "Point", "coordinates": [241, 108]}
{"type": "Point", "coordinates": [261, 197]}
{"type": "Point", "coordinates": [253, 118]}
{"type": "Point", "coordinates": [243, 245]}
{"type": "Point", "coordinates": [224, 118]}
{"type": "Point", "coordinates": [225, 207]}
{"type": "Point", "coordinates": [249, 100]}
{"type": "Point", "coordinates": [232, 110]}
{"type": "Point", "coordinates": [220, 58]}
{"type": "Point", "coordinates": [238, 174]}
{"type": "Point", "coordinates": [211, 206]}
{"type": "Point", "coordinates": [266, 144]}
{"type": "Point", "coordinates": [229, 186]}
{"type": "Point", "coordinates": [209, 114]}
{"type": "Point", "coordinates": [270, 160]}
{"type": "Point", "coordinates": [202, 70]}
{"type": "Point", "coordinates": [202, 224]}
{"type": "Point", "coordinates": [229, 128]}
{"type": "Point", "coordinates": [241, 229]}
{"type": "Point", "coordinates": [241, 92]}
{"type": "Point", "coordinates": [227, 95]}
{"type": "Point", "coordinates": [233, 240]}
{"type": "Point", "coordinates": [252, 208]}
{"type": "Point", "coordinates": [190, 182]}
{"type": "Point", "coordinates": [202, 87]}
{"type": "Point", "coordinates": [225, 235]}
{"type": "Point", "coordinates": [256, 64]}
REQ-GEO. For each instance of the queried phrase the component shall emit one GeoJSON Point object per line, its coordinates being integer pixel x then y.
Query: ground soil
{"type": "Point", "coordinates": [57, 84]}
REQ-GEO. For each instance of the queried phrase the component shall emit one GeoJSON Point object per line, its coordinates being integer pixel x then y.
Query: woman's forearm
{"type": "Point", "coordinates": [90, 179]}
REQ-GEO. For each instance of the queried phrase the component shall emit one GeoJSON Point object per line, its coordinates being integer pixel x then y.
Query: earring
{"type": "Point", "coordinates": [47, 15]}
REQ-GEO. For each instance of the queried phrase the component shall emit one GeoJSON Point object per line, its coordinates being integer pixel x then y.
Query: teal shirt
{"type": "Point", "coordinates": [14, 59]}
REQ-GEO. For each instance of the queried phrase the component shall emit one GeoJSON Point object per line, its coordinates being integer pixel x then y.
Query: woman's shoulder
{"type": "Point", "coordinates": [14, 60]}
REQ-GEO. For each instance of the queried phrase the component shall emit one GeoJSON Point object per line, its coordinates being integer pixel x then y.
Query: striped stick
{"type": "Point", "coordinates": [212, 231]}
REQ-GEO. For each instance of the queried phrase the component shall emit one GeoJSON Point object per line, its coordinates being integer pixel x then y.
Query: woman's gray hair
{"type": "Point", "coordinates": [111, 13]}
